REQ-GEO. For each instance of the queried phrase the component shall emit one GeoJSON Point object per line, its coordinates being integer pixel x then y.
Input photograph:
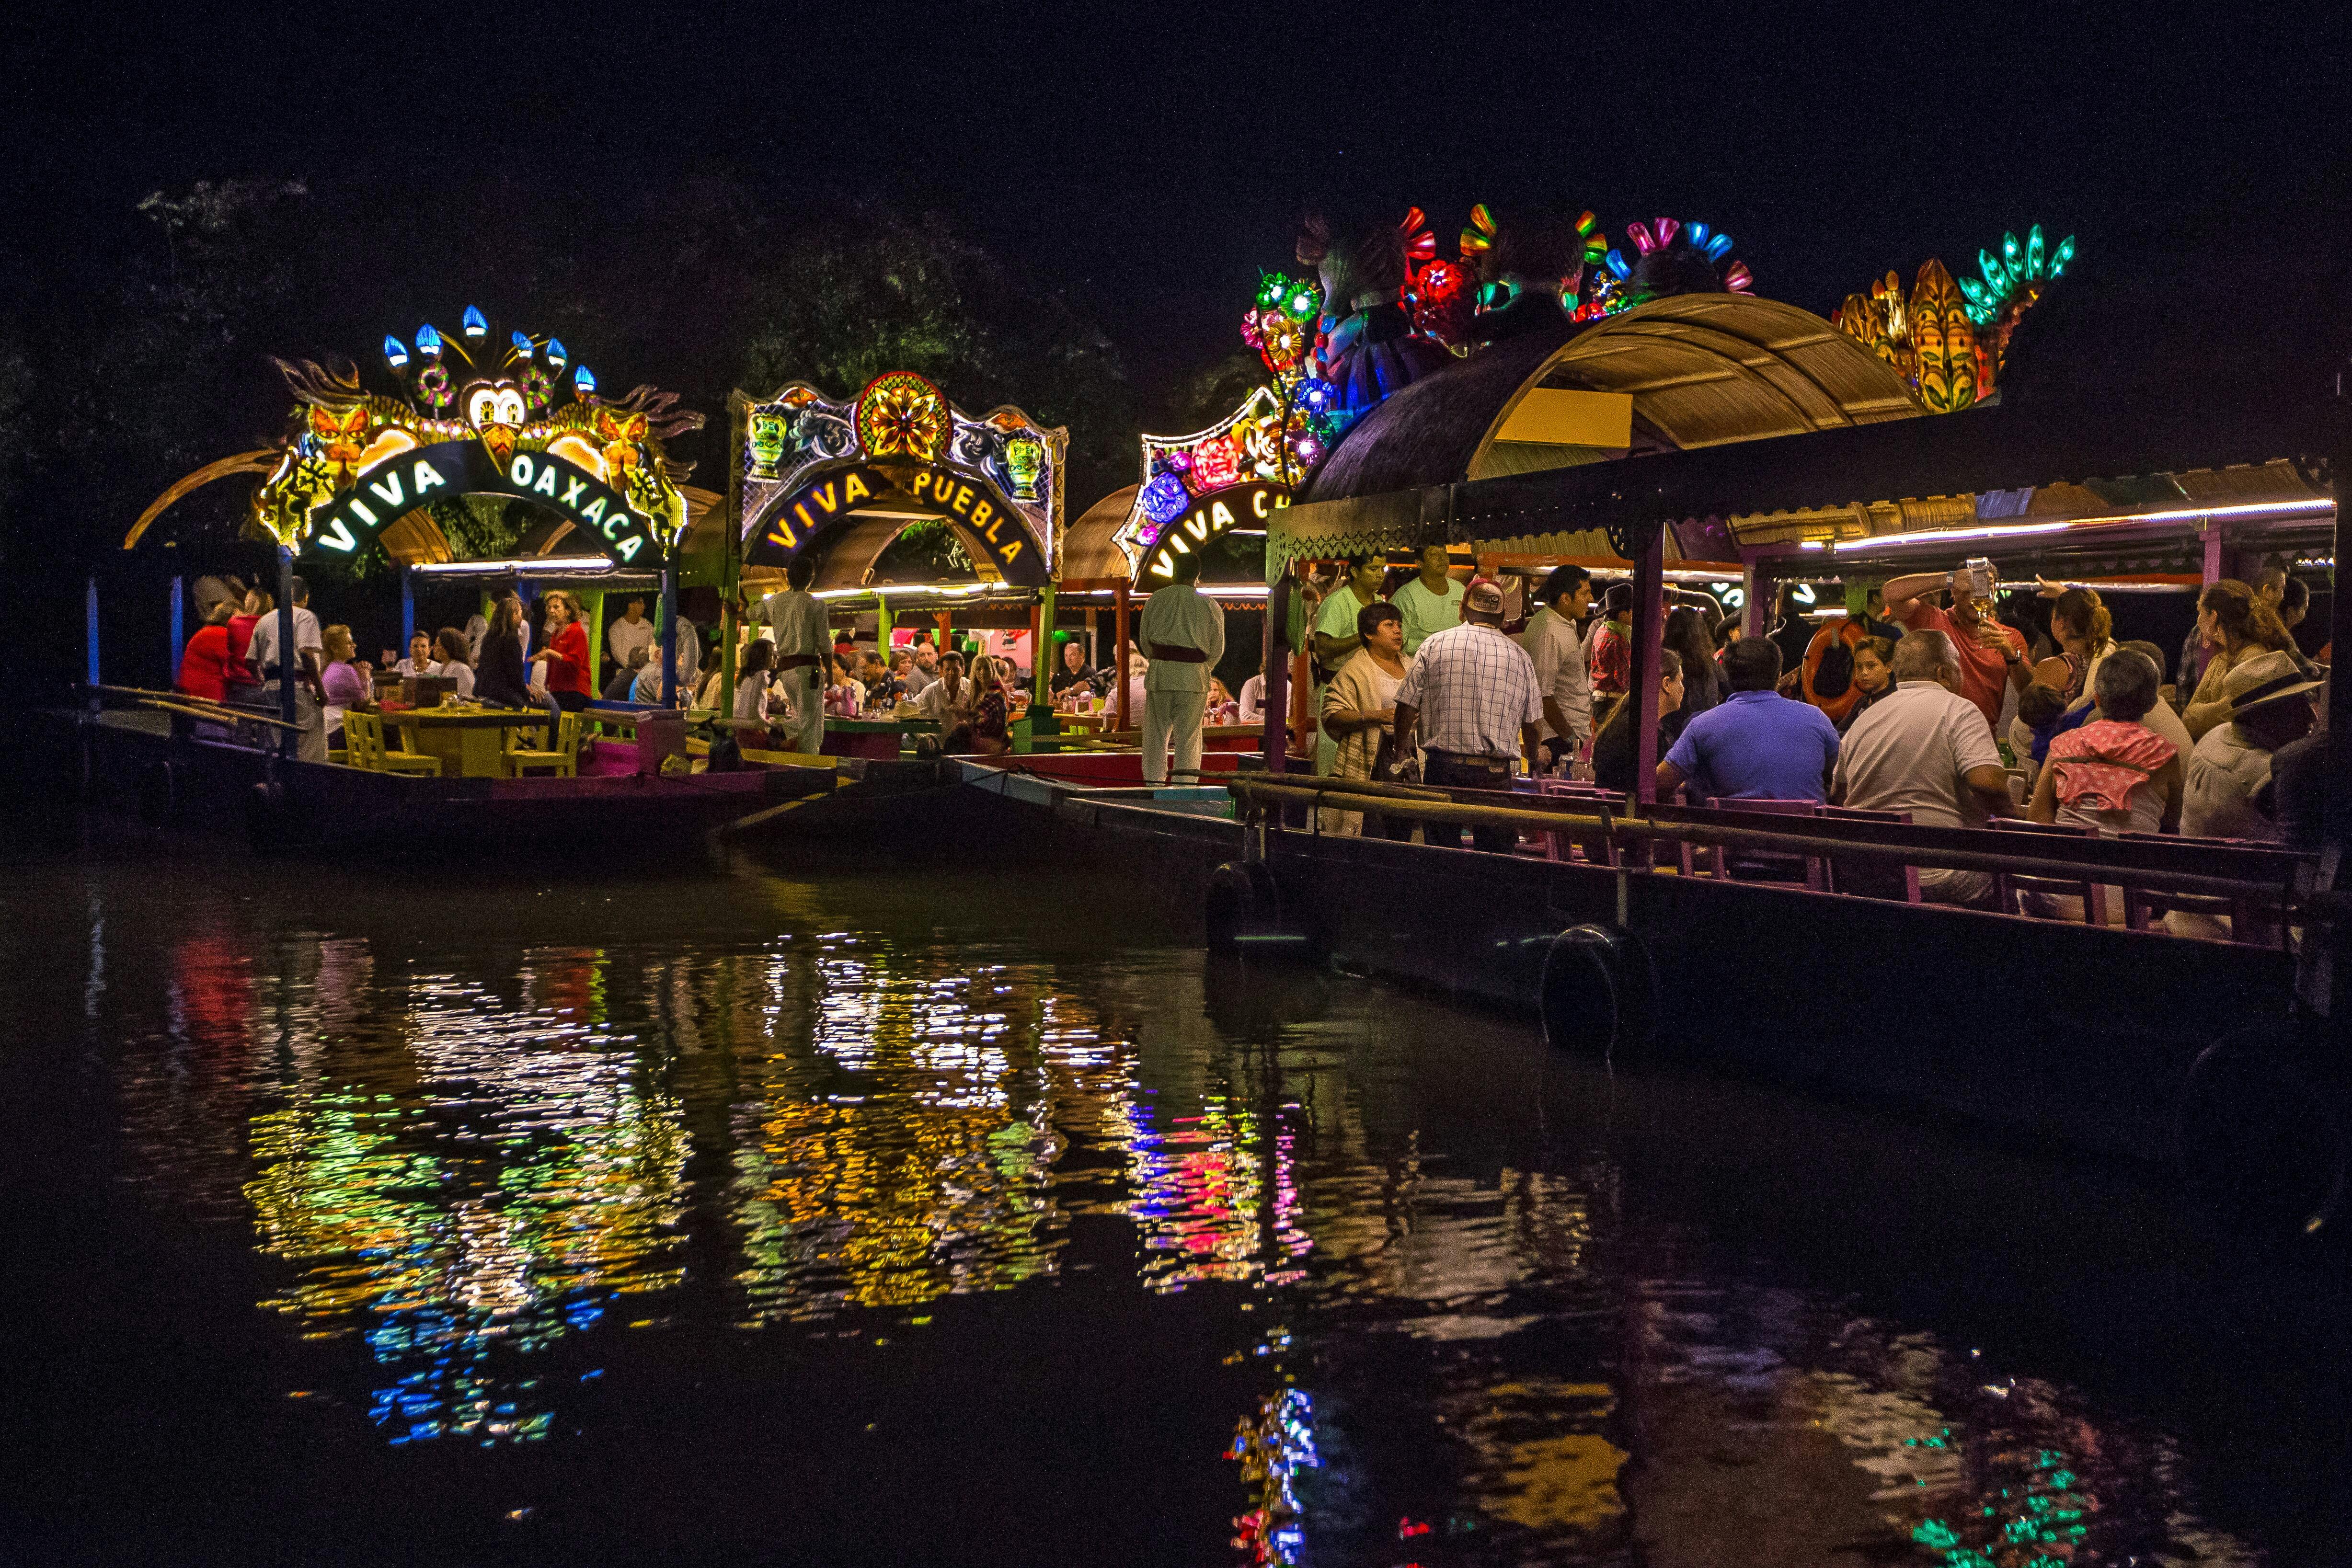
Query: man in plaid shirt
{"type": "Point", "coordinates": [1483, 705]}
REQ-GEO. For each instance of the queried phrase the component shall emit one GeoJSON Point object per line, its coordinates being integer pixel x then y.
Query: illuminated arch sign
{"type": "Point", "coordinates": [402, 483]}
{"type": "Point", "coordinates": [1249, 506]}
{"type": "Point", "coordinates": [991, 529]}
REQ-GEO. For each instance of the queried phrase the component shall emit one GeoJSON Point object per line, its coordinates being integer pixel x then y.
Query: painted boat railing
{"type": "Point", "coordinates": [2205, 869]}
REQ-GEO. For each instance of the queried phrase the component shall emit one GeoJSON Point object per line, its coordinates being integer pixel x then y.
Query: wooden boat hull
{"type": "Point", "coordinates": [2080, 1034]}
{"type": "Point", "coordinates": [184, 783]}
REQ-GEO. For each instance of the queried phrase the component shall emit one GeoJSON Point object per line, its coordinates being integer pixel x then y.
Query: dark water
{"type": "Point", "coordinates": [925, 1216]}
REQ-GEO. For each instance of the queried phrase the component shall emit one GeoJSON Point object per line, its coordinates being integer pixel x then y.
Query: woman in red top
{"type": "Point", "coordinates": [205, 662]}
{"type": "Point", "coordinates": [565, 657]}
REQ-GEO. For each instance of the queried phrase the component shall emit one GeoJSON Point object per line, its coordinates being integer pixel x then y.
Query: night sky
{"type": "Point", "coordinates": [1150, 160]}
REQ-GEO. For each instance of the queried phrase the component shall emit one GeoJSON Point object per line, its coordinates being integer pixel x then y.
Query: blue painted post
{"type": "Point", "coordinates": [89, 632]}
{"type": "Point", "coordinates": [670, 636]}
{"type": "Point", "coordinates": [407, 609]}
{"type": "Point", "coordinates": [179, 631]}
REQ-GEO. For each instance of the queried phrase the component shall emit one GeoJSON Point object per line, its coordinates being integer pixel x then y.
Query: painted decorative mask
{"type": "Point", "coordinates": [1024, 459]}
{"type": "Point", "coordinates": [769, 432]}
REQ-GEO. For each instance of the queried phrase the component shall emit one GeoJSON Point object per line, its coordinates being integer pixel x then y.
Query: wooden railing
{"type": "Point", "coordinates": [2201, 867]}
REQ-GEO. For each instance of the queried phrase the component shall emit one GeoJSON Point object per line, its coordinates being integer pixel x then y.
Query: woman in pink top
{"type": "Point", "coordinates": [345, 678]}
{"type": "Point", "coordinates": [2114, 774]}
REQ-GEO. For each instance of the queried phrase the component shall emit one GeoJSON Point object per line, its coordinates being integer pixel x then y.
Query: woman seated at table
{"type": "Point", "coordinates": [844, 694]}
{"type": "Point", "coordinates": [499, 677]}
{"type": "Point", "coordinates": [347, 679]}
{"type": "Point", "coordinates": [450, 643]}
{"type": "Point", "coordinates": [990, 733]}
{"type": "Point", "coordinates": [1221, 708]}
{"type": "Point", "coordinates": [751, 680]}
{"type": "Point", "coordinates": [420, 661]}
{"type": "Point", "coordinates": [564, 660]}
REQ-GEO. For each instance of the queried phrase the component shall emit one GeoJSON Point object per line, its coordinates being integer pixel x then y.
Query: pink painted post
{"type": "Point", "coordinates": [1649, 635]}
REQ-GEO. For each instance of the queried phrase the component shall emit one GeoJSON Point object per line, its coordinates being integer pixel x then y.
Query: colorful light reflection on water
{"type": "Point", "coordinates": [1412, 1265]}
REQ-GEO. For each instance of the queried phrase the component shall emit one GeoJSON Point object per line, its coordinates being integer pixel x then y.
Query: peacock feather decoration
{"type": "Point", "coordinates": [1671, 257]}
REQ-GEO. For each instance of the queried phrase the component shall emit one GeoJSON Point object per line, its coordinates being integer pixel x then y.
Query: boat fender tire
{"type": "Point", "coordinates": [1599, 992]}
{"type": "Point", "coordinates": [2260, 1142]}
{"type": "Point", "coordinates": [1241, 902]}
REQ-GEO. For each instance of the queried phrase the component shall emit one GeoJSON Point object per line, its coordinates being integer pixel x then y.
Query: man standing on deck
{"type": "Point", "coordinates": [1183, 633]}
{"type": "Point", "coordinates": [797, 621]}
{"type": "Point", "coordinates": [1470, 698]}
{"type": "Point", "coordinates": [305, 669]}
{"type": "Point", "coordinates": [1554, 641]}
{"type": "Point", "coordinates": [1336, 639]}
{"type": "Point", "coordinates": [1429, 603]}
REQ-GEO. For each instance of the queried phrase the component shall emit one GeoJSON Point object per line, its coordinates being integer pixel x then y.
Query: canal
{"type": "Point", "coordinates": [536, 1213]}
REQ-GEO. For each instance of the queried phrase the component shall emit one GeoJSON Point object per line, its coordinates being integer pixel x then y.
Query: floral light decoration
{"type": "Point", "coordinates": [1949, 337]}
{"type": "Point", "coordinates": [900, 414]}
{"type": "Point", "coordinates": [1670, 256]}
{"type": "Point", "coordinates": [340, 432]}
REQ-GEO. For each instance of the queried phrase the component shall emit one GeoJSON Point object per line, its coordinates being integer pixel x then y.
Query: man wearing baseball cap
{"type": "Point", "coordinates": [1471, 699]}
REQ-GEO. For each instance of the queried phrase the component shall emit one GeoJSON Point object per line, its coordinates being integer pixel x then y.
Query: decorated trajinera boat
{"type": "Point", "coordinates": [1674, 420]}
{"type": "Point", "coordinates": [472, 417]}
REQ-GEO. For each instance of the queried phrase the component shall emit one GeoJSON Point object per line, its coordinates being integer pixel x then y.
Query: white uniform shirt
{"type": "Point", "coordinates": [1473, 687]}
{"type": "Point", "coordinates": [1912, 750]}
{"type": "Point", "coordinates": [621, 636]}
{"type": "Point", "coordinates": [797, 619]}
{"type": "Point", "coordinates": [262, 650]}
{"type": "Point", "coordinates": [1181, 616]}
{"type": "Point", "coordinates": [1424, 612]}
{"type": "Point", "coordinates": [1554, 644]}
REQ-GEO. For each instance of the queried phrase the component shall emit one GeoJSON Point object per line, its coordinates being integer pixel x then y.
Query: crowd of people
{"type": "Point", "coordinates": [1921, 704]}
{"type": "Point", "coordinates": [499, 660]}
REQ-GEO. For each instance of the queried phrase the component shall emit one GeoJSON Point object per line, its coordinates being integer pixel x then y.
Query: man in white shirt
{"type": "Point", "coordinates": [1183, 633]}
{"type": "Point", "coordinates": [1253, 699]}
{"type": "Point", "coordinates": [631, 630]}
{"type": "Point", "coordinates": [1429, 603]}
{"type": "Point", "coordinates": [310, 694]}
{"type": "Point", "coordinates": [1925, 750]}
{"type": "Point", "coordinates": [796, 619]}
{"type": "Point", "coordinates": [1554, 641]}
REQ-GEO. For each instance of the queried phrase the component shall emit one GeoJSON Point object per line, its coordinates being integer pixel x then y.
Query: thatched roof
{"type": "Point", "coordinates": [1701, 369]}
{"type": "Point", "coordinates": [1088, 554]}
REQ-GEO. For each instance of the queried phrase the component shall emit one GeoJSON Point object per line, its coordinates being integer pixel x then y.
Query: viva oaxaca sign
{"type": "Point", "coordinates": [400, 483]}
{"type": "Point", "coordinates": [474, 418]}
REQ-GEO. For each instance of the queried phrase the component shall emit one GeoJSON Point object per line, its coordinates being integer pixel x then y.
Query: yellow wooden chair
{"type": "Point", "coordinates": [563, 761]}
{"type": "Point", "coordinates": [364, 737]}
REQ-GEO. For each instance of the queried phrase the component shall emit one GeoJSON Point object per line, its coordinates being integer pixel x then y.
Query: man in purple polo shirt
{"type": "Point", "coordinates": [1755, 745]}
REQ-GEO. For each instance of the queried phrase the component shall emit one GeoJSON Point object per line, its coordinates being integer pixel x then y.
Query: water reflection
{"type": "Point", "coordinates": [527, 1178]}
{"type": "Point", "coordinates": [1445, 1327]}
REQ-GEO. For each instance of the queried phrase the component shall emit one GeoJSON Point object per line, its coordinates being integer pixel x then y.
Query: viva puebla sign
{"type": "Point", "coordinates": [409, 479]}
{"type": "Point", "coordinates": [990, 526]}
{"type": "Point", "coordinates": [1220, 512]}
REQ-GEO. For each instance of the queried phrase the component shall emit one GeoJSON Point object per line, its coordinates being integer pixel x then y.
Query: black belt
{"type": "Point", "coordinates": [1469, 759]}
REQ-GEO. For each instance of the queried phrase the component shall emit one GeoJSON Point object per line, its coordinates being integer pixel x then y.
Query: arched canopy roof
{"type": "Point", "coordinates": [1700, 369]}
{"type": "Point", "coordinates": [1090, 551]}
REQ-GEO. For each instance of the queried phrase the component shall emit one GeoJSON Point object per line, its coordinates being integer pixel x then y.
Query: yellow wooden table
{"type": "Point", "coordinates": [470, 740]}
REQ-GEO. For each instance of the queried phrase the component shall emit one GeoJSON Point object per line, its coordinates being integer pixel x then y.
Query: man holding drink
{"type": "Point", "coordinates": [1992, 657]}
